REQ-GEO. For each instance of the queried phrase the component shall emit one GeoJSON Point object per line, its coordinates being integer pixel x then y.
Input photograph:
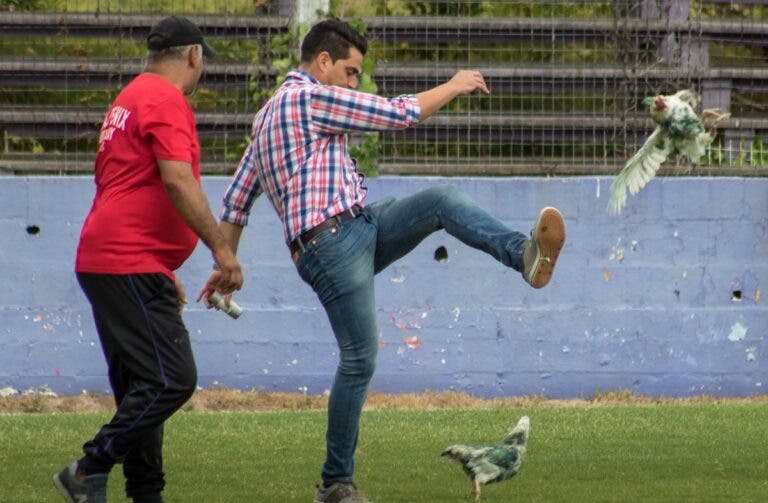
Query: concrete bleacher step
{"type": "Point", "coordinates": [433, 29]}
{"type": "Point", "coordinates": [231, 26]}
{"type": "Point", "coordinates": [110, 72]}
{"type": "Point", "coordinates": [544, 79]}
{"type": "Point", "coordinates": [81, 163]}
{"type": "Point", "coordinates": [542, 166]}
{"type": "Point", "coordinates": [75, 163]}
{"type": "Point", "coordinates": [453, 29]}
{"type": "Point", "coordinates": [58, 122]}
{"type": "Point", "coordinates": [393, 78]}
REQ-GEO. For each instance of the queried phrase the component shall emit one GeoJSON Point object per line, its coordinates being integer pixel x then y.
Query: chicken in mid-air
{"type": "Point", "coordinates": [678, 129]}
{"type": "Point", "coordinates": [485, 464]}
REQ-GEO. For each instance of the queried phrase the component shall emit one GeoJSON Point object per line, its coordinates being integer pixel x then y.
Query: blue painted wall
{"type": "Point", "coordinates": [664, 300]}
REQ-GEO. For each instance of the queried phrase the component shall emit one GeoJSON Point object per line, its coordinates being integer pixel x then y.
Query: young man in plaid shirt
{"type": "Point", "coordinates": [299, 157]}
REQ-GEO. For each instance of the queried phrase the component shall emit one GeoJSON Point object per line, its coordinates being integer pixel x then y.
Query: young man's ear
{"type": "Point", "coordinates": [324, 61]}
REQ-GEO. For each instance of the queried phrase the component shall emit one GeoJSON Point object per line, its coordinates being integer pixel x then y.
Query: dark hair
{"type": "Point", "coordinates": [333, 36]}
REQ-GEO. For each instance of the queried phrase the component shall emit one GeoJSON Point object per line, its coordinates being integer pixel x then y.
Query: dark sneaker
{"type": "Point", "coordinates": [541, 250]}
{"type": "Point", "coordinates": [340, 492]}
{"type": "Point", "coordinates": [92, 489]}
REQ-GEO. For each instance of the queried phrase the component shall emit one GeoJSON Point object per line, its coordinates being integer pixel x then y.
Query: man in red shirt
{"type": "Point", "coordinates": [147, 215]}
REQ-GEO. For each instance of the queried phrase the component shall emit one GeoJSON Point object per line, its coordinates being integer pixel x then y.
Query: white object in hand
{"type": "Point", "coordinates": [216, 299]}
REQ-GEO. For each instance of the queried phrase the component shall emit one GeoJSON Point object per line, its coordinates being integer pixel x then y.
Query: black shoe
{"type": "Point", "coordinates": [340, 492]}
{"type": "Point", "coordinates": [92, 489]}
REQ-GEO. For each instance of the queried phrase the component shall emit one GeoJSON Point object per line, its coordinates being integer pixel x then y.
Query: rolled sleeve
{"type": "Point", "coordinates": [242, 192]}
{"type": "Point", "coordinates": [233, 215]}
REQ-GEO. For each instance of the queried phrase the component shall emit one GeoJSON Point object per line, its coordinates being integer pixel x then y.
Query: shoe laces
{"type": "Point", "coordinates": [534, 242]}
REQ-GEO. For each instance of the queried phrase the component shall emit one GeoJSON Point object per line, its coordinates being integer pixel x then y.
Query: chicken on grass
{"type": "Point", "coordinates": [485, 464]}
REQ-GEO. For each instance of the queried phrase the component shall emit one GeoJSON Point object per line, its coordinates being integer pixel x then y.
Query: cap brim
{"type": "Point", "coordinates": [208, 51]}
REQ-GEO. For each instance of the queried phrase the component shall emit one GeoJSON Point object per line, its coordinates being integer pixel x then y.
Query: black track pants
{"type": "Point", "coordinates": [151, 370]}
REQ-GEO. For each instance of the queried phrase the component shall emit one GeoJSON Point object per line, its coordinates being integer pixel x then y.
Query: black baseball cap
{"type": "Point", "coordinates": [174, 31]}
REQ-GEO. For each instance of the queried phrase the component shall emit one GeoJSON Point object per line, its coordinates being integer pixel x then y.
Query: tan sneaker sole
{"type": "Point", "coordinates": [549, 236]}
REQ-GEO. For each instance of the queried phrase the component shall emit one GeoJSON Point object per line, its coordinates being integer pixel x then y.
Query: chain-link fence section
{"type": "Point", "coordinates": [567, 78]}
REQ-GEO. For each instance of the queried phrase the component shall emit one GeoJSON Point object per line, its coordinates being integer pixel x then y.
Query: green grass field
{"type": "Point", "coordinates": [691, 452]}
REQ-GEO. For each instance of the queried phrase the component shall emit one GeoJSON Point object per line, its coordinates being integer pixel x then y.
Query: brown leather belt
{"type": "Point", "coordinates": [300, 242]}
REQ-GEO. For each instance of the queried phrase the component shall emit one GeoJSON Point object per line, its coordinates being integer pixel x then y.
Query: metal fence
{"type": "Point", "coordinates": [566, 78]}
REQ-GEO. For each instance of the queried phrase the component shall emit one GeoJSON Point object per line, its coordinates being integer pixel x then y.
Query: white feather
{"type": "Point", "coordinates": [639, 170]}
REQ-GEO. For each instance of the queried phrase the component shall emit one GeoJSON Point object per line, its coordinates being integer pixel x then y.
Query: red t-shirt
{"type": "Point", "coordinates": [133, 226]}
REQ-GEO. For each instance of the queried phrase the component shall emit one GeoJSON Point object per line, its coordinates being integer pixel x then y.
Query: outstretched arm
{"type": "Point", "coordinates": [463, 82]}
{"type": "Point", "coordinates": [337, 110]}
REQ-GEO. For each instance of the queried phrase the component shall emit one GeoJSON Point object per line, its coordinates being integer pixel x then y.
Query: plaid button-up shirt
{"type": "Point", "coordinates": [299, 151]}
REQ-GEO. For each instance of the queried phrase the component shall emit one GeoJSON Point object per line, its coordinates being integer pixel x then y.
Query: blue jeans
{"type": "Point", "coordinates": [340, 266]}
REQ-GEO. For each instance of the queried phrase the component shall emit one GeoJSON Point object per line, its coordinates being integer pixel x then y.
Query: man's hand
{"type": "Point", "coordinates": [463, 82]}
{"type": "Point", "coordinates": [227, 276]}
{"type": "Point", "coordinates": [230, 277]}
{"type": "Point", "coordinates": [181, 295]}
{"type": "Point", "coordinates": [468, 81]}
